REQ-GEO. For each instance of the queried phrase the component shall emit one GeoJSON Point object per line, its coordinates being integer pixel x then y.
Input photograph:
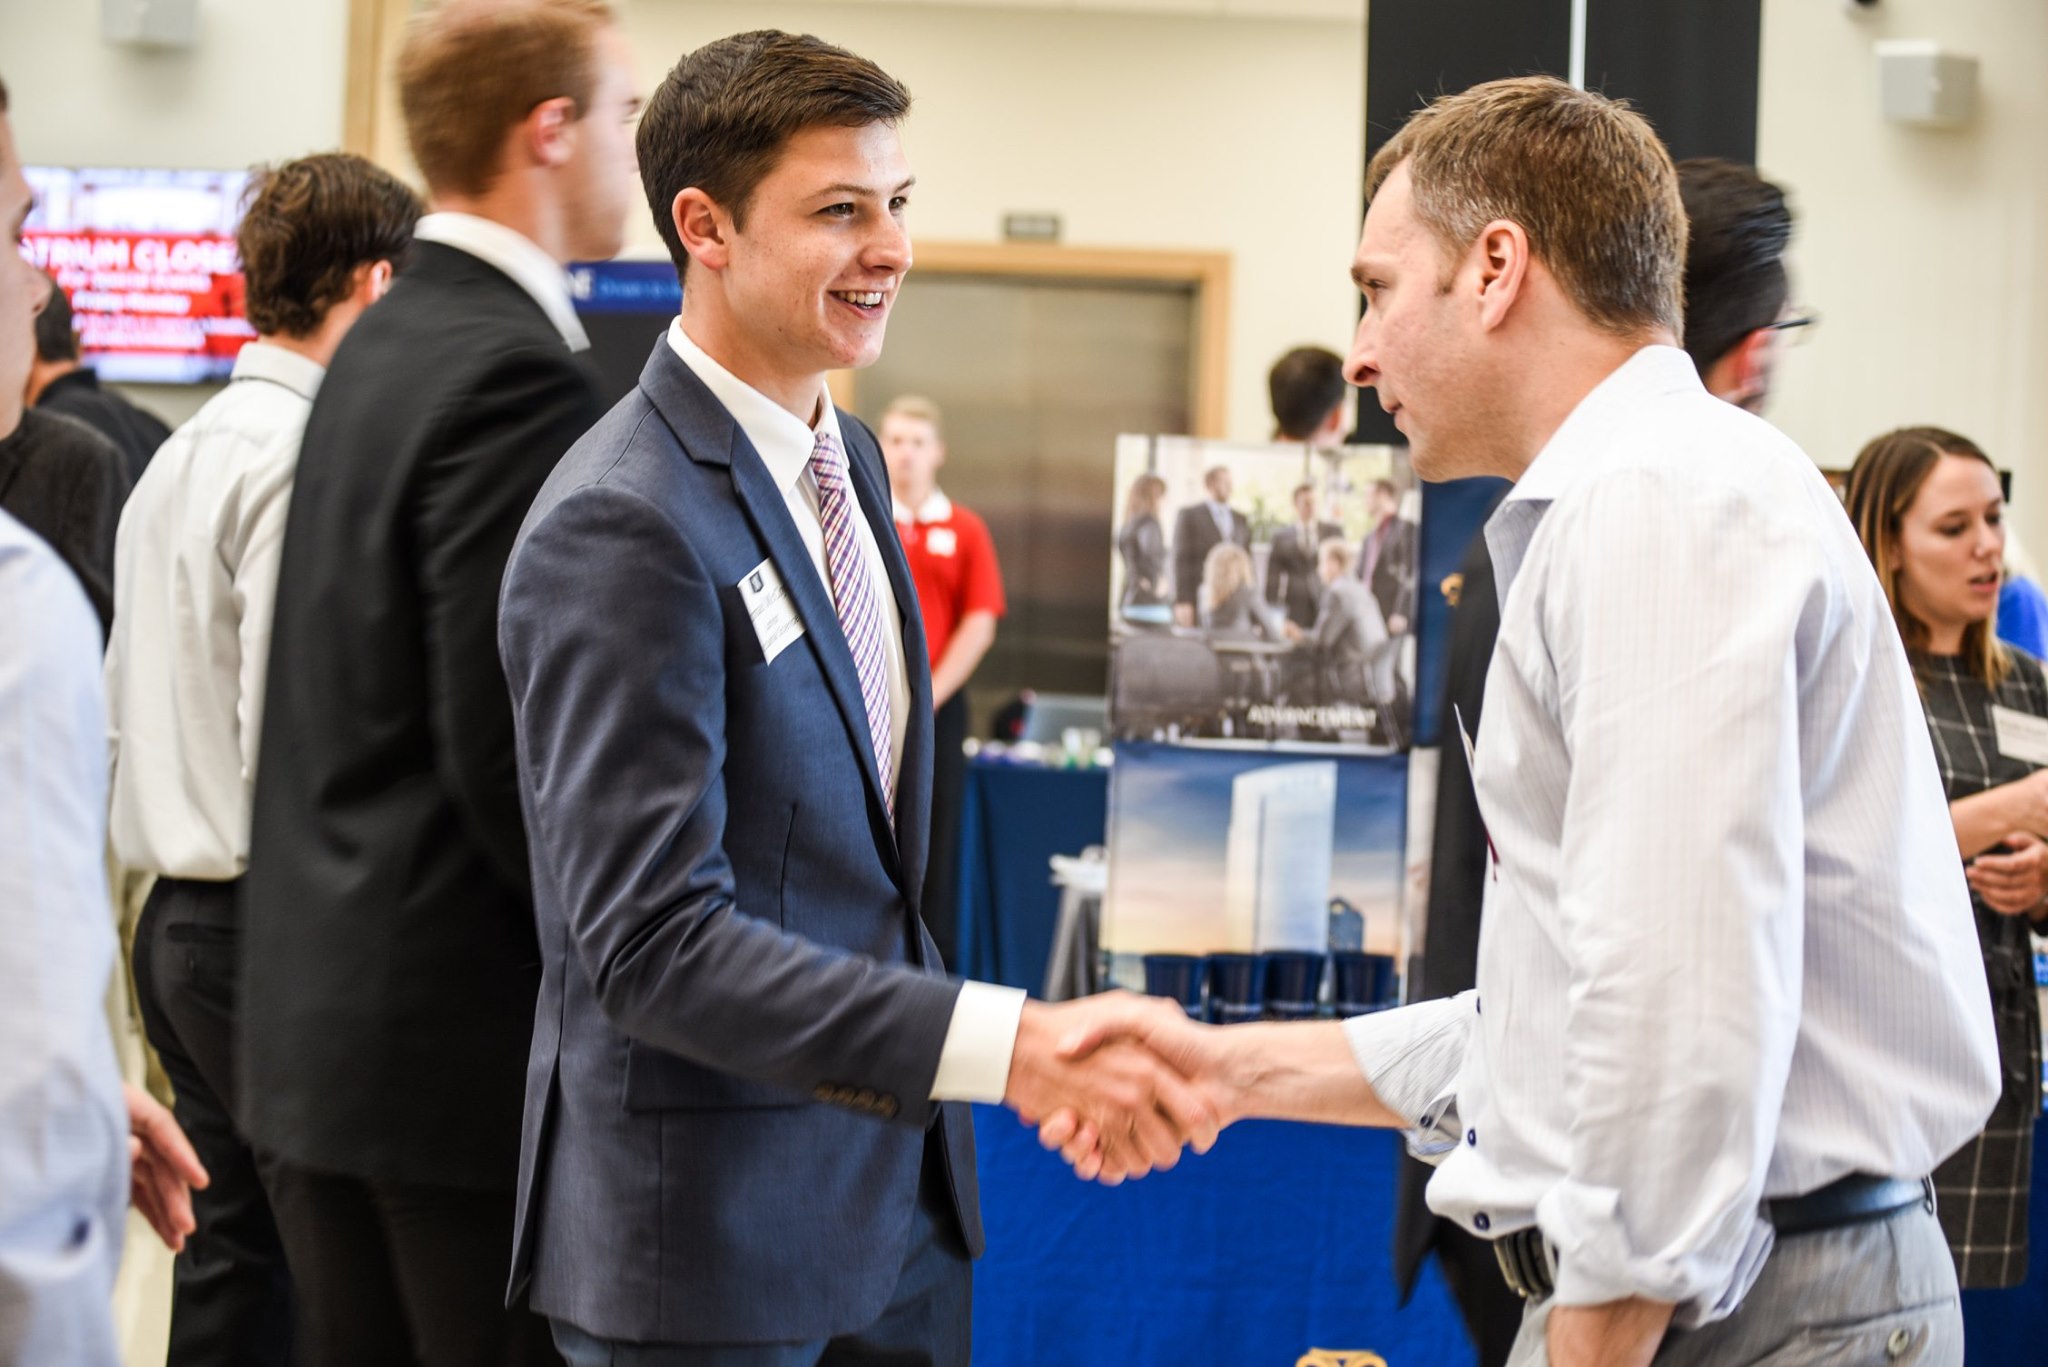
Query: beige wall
{"type": "Point", "coordinates": [264, 81]}
{"type": "Point", "coordinates": [1232, 135]}
{"type": "Point", "coordinates": [1921, 249]}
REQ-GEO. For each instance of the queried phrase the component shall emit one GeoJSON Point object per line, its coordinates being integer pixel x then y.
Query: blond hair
{"type": "Point", "coordinates": [1584, 176]}
{"type": "Point", "coordinates": [917, 407]}
{"type": "Point", "coordinates": [1225, 570]}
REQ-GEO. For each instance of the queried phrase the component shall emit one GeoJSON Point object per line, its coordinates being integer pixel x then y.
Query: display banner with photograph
{"type": "Point", "coordinates": [1263, 594]}
{"type": "Point", "coordinates": [1262, 613]}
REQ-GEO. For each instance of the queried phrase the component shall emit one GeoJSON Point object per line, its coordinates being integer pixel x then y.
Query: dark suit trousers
{"type": "Point", "coordinates": [402, 1276]}
{"type": "Point", "coordinates": [231, 1302]}
{"type": "Point", "coordinates": [941, 900]}
{"type": "Point", "coordinates": [927, 1323]}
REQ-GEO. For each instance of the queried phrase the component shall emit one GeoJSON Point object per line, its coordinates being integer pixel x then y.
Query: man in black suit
{"type": "Point", "coordinates": [1292, 580]}
{"type": "Point", "coordinates": [1386, 558]}
{"type": "Point", "coordinates": [1199, 529]}
{"type": "Point", "coordinates": [1736, 290]}
{"type": "Point", "coordinates": [391, 965]}
{"type": "Point", "coordinates": [65, 482]}
{"type": "Point", "coordinates": [60, 383]}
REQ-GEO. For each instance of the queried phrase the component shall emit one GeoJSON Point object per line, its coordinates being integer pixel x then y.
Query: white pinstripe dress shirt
{"type": "Point", "coordinates": [1727, 951]}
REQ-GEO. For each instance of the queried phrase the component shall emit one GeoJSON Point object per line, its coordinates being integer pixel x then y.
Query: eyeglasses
{"type": "Point", "coordinates": [1799, 322]}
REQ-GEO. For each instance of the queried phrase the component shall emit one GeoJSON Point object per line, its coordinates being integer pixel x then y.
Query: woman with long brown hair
{"type": "Point", "coordinates": [1930, 510]}
{"type": "Point", "coordinates": [1142, 543]}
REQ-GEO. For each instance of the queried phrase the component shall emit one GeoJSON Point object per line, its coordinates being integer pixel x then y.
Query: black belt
{"type": "Point", "coordinates": [1526, 1263]}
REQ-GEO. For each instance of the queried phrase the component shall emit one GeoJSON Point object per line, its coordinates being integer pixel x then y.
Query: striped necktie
{"type": "Point", "coordinates": [853, 596]}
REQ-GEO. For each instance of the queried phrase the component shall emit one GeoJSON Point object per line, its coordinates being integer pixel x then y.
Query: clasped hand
{"type": "Point", "coordinates": [1120, 1084]}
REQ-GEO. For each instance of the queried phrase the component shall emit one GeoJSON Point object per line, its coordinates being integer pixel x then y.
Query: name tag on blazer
{"type": "Point", "coordinates": [2021, 736]}
{"type": "Point", "coordinates": [771, 609]}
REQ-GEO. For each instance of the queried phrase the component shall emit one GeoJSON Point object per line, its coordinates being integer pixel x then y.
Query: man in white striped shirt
{"type": "Point", "coordinates": [1730, 1010]}
{"type": "Point", "coordinates": [195, 581]}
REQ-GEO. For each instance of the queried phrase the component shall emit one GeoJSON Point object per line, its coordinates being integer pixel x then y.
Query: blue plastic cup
{"type": "Point", "coordinates": [1178, 976]}
{"type": "Point", "coordinates": [1365, 982]}
{"type": "Point", "coordinates": [1235, 988]}
{"type": "Point", "coordinates": [1294, 980]}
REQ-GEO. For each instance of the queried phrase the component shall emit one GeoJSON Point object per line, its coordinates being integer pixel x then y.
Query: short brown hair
{"type": "Point", "coordinates": [1305, 386]}
{"type": "Point", "coordinates": [1583, 175]}
{"type": "Point", "coordinates": [723, 114]}
{"type": "Point", "coordinates": [309, 225]}
{"type": "Point", "coordinates": [1883, 483]}
{"type": "Point", "coordinates": [472, 69]}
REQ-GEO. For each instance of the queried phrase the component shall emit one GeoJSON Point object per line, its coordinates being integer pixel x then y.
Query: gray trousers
{"type": "Point", "coordinates": [1869, 1295]}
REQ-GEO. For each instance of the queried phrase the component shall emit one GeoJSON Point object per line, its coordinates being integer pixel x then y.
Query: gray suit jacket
{"type": "Point", "coordinates": [740, 1014]}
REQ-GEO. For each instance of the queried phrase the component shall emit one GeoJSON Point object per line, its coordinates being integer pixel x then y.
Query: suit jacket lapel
{"type": "Point", "coordinates": [708, 433]}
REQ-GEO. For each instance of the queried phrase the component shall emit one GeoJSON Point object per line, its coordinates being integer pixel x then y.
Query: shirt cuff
{"type": "Point", "coordinates": [974, 1062]}
{"type": "Point", "coordinates": [1412, 1057]}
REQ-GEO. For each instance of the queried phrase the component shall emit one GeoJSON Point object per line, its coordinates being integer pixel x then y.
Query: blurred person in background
{"type": "Point", "coordinates": [195, 577]}
{"type": "Point", "coordinates": [2022, 606]}
{"type": "Point", "coordinates": [1141, 541]}
{"type": "Point", "coordinates": [1311, 402]}
{"type": "Point", "coordinates": [1199, 528]}
{"type": "Point", "coordinates": [1293, 581]}
{"type": "Point", "coordinates": [59, 382]}
{"type": "Point", "coordinates": [960, 592]}
{"type": "Point", "coordinates": [1231, 605]}
{"type": "Point", "coordinates": [1930, 511]}
{"type": "Point", "coordinates": [390, 961]}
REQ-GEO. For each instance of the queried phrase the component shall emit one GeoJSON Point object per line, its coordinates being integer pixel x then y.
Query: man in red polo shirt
{"type": "Point", "coordinates": [960, 592]}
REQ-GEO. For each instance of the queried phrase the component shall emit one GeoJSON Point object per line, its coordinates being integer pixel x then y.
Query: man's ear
{"type": "Point", "coordinates": [1500, 256]}
{"type": "Point", "coordinates": [547, 135]}
{"type": "Point", "coordinates": [372, 281]}
{"type": "Point", "coordinates": [704, 226]}
{"type": "Point", "coordinates": [1740, 374]}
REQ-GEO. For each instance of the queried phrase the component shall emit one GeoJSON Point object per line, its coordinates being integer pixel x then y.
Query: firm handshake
{"type": "Point", "coordinates": [1121, 1085]}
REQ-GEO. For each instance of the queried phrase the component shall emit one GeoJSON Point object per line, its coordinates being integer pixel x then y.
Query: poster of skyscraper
{"type": "Point", "coordinates": [1231, 849]}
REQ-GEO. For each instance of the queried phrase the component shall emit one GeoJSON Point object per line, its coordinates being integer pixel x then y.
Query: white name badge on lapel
{"type": "Point", "coordinates": [2021, 736]}
{"type": "Point", "coordinates": [771, 609]}
{"type": "Point", "coordinates": [941, 541]}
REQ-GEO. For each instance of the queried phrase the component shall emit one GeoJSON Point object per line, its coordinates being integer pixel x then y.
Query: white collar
{"type": "Point", "coordinates": [1574, 451]}
{"type": "Point", "coordinates": [518, 256]}
{"type": "Point", "coordinates": [264, 361]}
{"type": "Point", "coordinates": [935, 508]}
{"type": "Point", "coordinates": [783, 440]}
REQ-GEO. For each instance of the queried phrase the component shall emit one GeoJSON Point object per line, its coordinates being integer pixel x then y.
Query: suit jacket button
{"type": "Point", "coordinates": [823, 1091]}
{"type": "Point", "coordinates": [867, 1100]}
{"type": "Point", "coordinates": [888, 1108]}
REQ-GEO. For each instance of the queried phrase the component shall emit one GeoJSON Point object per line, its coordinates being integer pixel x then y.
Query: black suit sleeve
{"type": "Point", "coordinates": [90, 516]}
{"type": "Point", "coordinates": [478, 478]}
{"type": "Point", "coordinates": [1278, 563]}
{"type": "Point", "coordinates": [1187, 557]}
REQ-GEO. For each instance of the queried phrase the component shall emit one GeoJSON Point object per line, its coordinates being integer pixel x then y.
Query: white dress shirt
{"type": "Point", "coordinates": [1727, 952]}
{"type": "Point", "coordinates": [974, 1064]}
{"type": "Point", "coordinates": [63, 1129]}
{"type": "Point", "coordinates": [195, 587]}
{"type": "Point", "coordinates": [518, 256]}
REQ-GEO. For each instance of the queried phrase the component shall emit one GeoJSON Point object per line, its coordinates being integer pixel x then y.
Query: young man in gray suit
{"type": "Point", "coordinates": [743, 1142]}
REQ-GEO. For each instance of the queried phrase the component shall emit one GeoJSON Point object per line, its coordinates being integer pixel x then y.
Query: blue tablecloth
{"type": "Point", "coordinates": [1275, 1243]}
{"type": "Point", "coordinates": [1013, 819]}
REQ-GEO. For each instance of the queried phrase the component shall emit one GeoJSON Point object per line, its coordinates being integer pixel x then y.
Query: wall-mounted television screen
{"type": "Point", "coordinates": [148, 261]}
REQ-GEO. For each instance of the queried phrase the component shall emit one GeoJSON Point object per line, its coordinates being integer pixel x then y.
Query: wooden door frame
{"type": "Point", "coordinates": [1207, 273]}
{"type": "Point", "coordinates": [370, 125]}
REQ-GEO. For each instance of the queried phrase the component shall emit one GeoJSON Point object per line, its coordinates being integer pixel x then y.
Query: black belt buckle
{"type": "Point", "coordinates": [1525, 1263]}
{"type": "Point", "coordinates": [1852, 1200]}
